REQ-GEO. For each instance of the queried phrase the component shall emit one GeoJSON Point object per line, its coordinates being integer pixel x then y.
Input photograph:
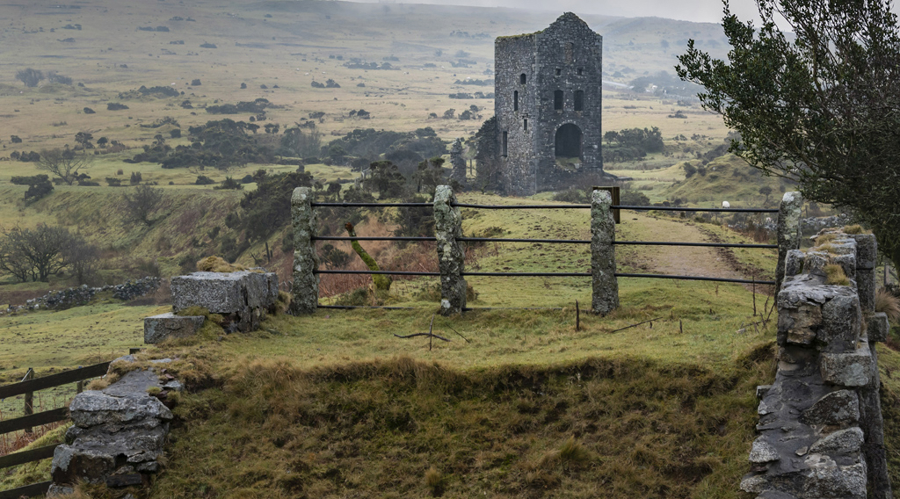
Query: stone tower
{"type": "Point", "coordinates": [548, 104]}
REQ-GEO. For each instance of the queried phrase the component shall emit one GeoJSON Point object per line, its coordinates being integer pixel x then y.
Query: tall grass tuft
{"type": "Point", "coordinates": [887, 303]}
{"type": "Point", "coordinates": [835, 275]}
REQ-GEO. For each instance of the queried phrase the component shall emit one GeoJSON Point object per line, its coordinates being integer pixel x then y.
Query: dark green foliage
{"type": "Point", "coordinates": [573, 195]}
{"type": "Point", "coordinates": [141, 203]}
{"type": "Point", "coordinates": [333, 257]}
{"type": "Point", "coordinates": [385, 179]}
{"type": "Point", "coordinates": [218, 144]}
{"type": "Point", "coordinates": [255, 107]}
{"type": "Point", "coordinates": [113, 182]}
{"type": "Point", "coordinates": [297, 143]}
{"type": "Point", "coordinates": [55, 77]}
{"type": "Point", "coordinates": [487, 171]}
{"type": "Point", "coordinates": [689, 170]}
{"type": "Point", "coordinates": [631, 144]}
{"type": "Point", "coordinates": [229, 184]}
{"type": "Point", "coordinates": [354, 195]}
{"type": "Point", "coordinates": [115, 106]}
{"type": "Point", "coordinates": [820, 107]}
{"type": "Point", "coordinates": [204, 180]}
{"type": "Point", "coordinates": [630, 197]}
{"type": "Point", "coordinates": [30, 77]}
{"type": "Point", "coordinates": [268, 208]}
{"type": "Point", "coordinates": [414, 221]}
{"type": "Point", "coordinates": [38, 186]}
{"type": "Point", "coordinates": [371, 143]}
{"type": "Point", "coordinates": [136, 178]}
{"type": "Point", "coordinates": [429, 174]}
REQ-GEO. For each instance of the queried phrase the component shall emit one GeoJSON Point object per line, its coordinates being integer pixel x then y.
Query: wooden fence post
{"type": "Point", "coordinates": [29, 398]}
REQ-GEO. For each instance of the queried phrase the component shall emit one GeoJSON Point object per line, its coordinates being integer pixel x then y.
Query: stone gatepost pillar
{"type": "Point", "coordinates": [603, 256]}
{"type": "Point", "coordinates": [305, 289]}
{"type": "Point", "coordinates": [447, 228]}
{"type": "Point", "coordinates": [788, 231]}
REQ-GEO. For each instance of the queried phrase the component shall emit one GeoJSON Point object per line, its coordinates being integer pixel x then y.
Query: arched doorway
{"type": "Point", "coordinates": [568, 141]}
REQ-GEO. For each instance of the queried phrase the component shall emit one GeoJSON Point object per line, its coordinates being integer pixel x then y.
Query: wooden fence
{"type": "Point", "coordinates": [28, 386]}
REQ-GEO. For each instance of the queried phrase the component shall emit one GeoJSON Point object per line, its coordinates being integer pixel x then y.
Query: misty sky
{"type": "Point", "coordinates": [688, 10]}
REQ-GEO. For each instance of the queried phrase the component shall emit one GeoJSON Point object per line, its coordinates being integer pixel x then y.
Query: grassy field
{"type": "Point", "coordinates": [654, 400]}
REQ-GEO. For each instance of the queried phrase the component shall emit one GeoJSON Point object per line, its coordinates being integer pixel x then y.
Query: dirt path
{"type": "Point", "coordinates": [680, 260]}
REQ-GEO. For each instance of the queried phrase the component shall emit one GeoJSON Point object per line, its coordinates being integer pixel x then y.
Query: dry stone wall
{"type": "Point", "coordinates": [820, 427]}
{"type": "Point", "coordinates": [118, 433]}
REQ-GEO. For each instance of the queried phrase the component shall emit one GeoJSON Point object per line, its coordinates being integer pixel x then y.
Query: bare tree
{"type": "Point", "coordinates": [82, 259]}
{"type": "Point", "coordinates": [63, 163]}
{"type": "Point", "coordinates": [35, 254]}
{"type": "Point", "coordinates": [30, 77]}
{"type": "Point", "coordinates": [142, 203]}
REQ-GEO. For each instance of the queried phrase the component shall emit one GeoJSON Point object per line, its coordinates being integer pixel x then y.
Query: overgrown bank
{"type": "Point", "coordinates": [405, 428]}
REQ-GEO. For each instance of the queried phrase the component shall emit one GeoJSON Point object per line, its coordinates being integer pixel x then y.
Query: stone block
{"type": "Point", "coordinates": [842, 321]}
{"type": "Point", "coordinates": [160, 327]}
{"type": "Point", "coordinates": [793, 263]}
{"type": "Point", "coordinates": [828, 480]}
{"type": "Point", "coordinates": [839, 407]}
{"type": "Point", "coordinates": [216, 291]}
{"type": "Point", "coordinates": [775, 494]}
{"type": "Point", "coordinates": [840, 442]}
{"type": "Point", "coordinates": [851, 369]}
{"type": "Point", "coordinates": [763, 452]}
{"type": "Point", "coordinates": [866, 286]}
{"type": "Point", "coordinates": [93, 407]}
{"type": "Point", "coordinates": [799, 325]}
{"type": "Point", "coordinates": [866, 251]}
{"type": "Point", "coordinates": [878, 327]}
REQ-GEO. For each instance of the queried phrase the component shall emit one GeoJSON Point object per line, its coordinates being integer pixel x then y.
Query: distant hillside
{"type": "Point", "coordinates": [726, 178]}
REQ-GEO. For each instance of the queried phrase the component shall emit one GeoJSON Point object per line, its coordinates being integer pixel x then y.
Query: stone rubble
{"type": "Point", "coordinates": [82, 295]}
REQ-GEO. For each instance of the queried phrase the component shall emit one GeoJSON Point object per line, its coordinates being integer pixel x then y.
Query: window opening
{"type": "Point", "coordinates": [522, 78]}
{"type": "Point", "coordinates": [570, 52]}
{"type": "Point", "coordinates": [579, 100]}
{"type": "Point", "coordinates": [580, 71]}
{"type": "Point", "coordinates": [505, 144]}
{"type": "Point", "coordinates": [558, 99]}
{"type": "Point", "coordinates": [516, 100]}
{"type": "Point", "coordinates": [526, 124]}
{"type": "Point", "coordinates": [558, 71]}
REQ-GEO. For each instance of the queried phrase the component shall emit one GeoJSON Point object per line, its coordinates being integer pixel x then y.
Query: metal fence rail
{"type": "Point", "coordinates": [543, 241]}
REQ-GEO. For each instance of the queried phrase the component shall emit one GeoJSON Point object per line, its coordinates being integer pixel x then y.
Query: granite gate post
{"type": "Point", "coordinates": [451, 258]}
{"type": "Point", "coordinates": [305, 288]}
{"type": "Point", "coordinates": [603, 256]}
{"type": "Point", "coordinates": [788, 231]}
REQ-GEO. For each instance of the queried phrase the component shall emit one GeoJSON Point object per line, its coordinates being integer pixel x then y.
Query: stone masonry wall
{"type": "Point", "coordinates": [820, 427]}
{"type": "Point", "coordinates": [567, 56]}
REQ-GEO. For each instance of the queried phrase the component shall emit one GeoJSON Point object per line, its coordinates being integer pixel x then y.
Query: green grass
{"type": "Point", "coordinates": [633, 428]}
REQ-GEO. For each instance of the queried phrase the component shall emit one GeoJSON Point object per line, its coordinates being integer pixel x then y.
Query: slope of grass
{"type": "Point", "coordinates": [615, 427]}
{"type": "Point", "coordinates": [728, 178]}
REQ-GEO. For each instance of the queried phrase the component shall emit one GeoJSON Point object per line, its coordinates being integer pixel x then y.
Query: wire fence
{"type": "Point", "coordinates": [541, 241]}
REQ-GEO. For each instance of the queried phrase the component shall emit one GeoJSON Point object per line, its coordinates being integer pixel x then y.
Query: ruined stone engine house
{"type": "Point", "coordinates": [548, 104]}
